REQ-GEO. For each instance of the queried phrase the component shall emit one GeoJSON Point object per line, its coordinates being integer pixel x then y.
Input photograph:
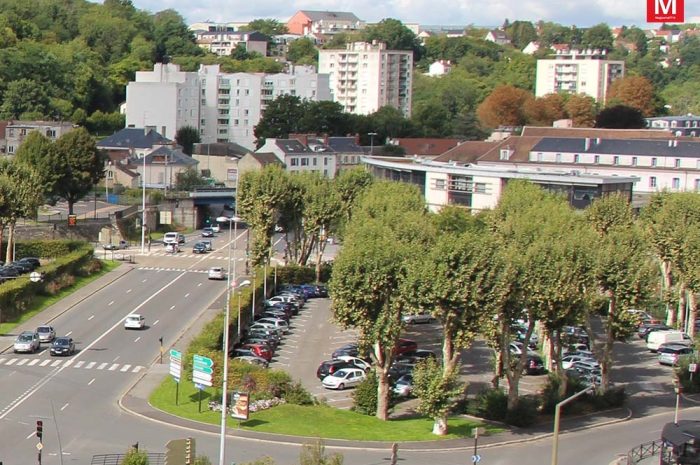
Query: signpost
{"type": "Point", "coordinates": [692, 368]}
{"type": "Point", "coordinates": [176, 370]}
{"type": "Point", "coordinates": [202, 371]}
{"type": "Point", "coordinates": [476, 458]}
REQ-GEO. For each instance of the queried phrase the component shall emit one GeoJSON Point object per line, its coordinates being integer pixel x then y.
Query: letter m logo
{"type": "Point", "coordinates": [665, 11]}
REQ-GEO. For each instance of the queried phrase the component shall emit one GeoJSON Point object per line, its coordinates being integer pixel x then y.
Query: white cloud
{"type": "Point", "coordinates": [433, 12]}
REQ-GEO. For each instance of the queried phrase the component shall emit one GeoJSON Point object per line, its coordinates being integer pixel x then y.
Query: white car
{"type": "Point", "coordinates": [172, 247]}
{"type": "Point", "coordinates": [46, 333]}
{"type": "Point", "coordinates": [277, 322]}
{"type": "Point", "coordinates": [343, 378]}
{"type": "Point", "coordinates": [27, 341]}
{"type": "Point", "coordinates": [568, 361]}
{"type": "Point", "coordinates": [356, 362]}
{"type": "Point", "coordinates": [215, 227]}
{"type": "Point", "coordinates": [267, 326]}
{"type": "Point", "coordinates": [282, 298]}
{"type": "Point", "coordinates": [418, 318]}
{"type": "Point", "coordinates": [134, 321]}
{"type": "Point", "coordinates": [216, 272]}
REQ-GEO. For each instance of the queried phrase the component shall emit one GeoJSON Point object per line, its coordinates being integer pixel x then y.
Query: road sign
{"type": "Point", "coordinates": [35, 276]}
{"type": "Point", "coordinates": [476, 458]}
{"type": "Point", "coordinates": [202, 370]}
{"type": "Point", "coordinates": [175, 364]}
{"type": "Point", "coordinates": [693, 367]}
{"type": "Point", "coordinates": [39, 446]}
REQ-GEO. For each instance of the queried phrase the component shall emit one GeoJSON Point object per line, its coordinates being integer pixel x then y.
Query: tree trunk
{"type": "Point", "coordinates": [319, 259]}
{"type": "Point", "coordinates": [609, 341]}
{"type": "Point", "coordinates": [498, 374]}
{"type": "Point", "coordinates": [440, 426]}
{"type": "Point", "coordinates": [665, 266]}
{"type": "Point", "coordinates": [71, 203]}
{"type": "Point", "coordinates": [680, 319]}
{"type": "Point", "coordinates": [449, 361]}
{"type": "Point", "coordinates": [9, 253]}
{"type": "Point", "coordinates": [2, 236]}
{"type": "Point", "coordinates": [382, 393]}
{"type": "Point", "coordinates": [692, 301]}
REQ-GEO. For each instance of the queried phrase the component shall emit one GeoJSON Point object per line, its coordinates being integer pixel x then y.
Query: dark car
{"type": "Point", "coordinates": [415, 356]}
{"type": "Point", "coordinates": [7, 273]}
{"type": "Point", "coordinates": [269, 343]}
{"type": "Point", "coordinates": [63, 346]}
{"type": "Point", "coordinates": [31, 262]}
{"type": "Point", "coordinates": [199, 247]}
{"type": "Point", "coordinates": [207, 232]}
{"type": "Point", "coordinates": [329, 367]}
{"type": "Point", "coordinates": [534, 365]}
{"type": "Point", "coordinates": [274, 314]}
{"type": "Point", "coordinates": [348, 349]}
{"type": "Point", "coordinates": [286, 306]}
{"type": "Point", "coordinates": [265, 334]}
{"type": "Point", "coordinates": [22, 267]}
{"type": "Point", "coordinates": [397, 370]}
{"type": "Point", "coordinates": [405, 345]}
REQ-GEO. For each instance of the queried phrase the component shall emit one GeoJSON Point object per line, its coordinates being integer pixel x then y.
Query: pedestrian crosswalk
{"type": "Point", "coordinates": [69, 363]}
{"type": "Point", "coordinates": [208, 256]}
{"type": "Point", "coordinates": [165, 268]}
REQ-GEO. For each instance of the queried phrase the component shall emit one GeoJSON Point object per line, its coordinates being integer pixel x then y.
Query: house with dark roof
{"type": "Point", "coordinates": [219, 161]}
{"type": "Point", "coordinates": [498, 37]}
{"type": "Point", "coordinates": [426, 147]}
{"type": "Point", "coordinates": [137, 142]}
{"type": "Point", "coordinates": [346, 149]}
{"type": "Point", "coordinates": [679, 126]}
{"type": "Point", "coordinates": [162, 166]}
{"type": "Point", "coordinates": [256, 161]}
{"type": "Point", "coordinates": [298, 156]}
{"type": "Point", "coordinates": [309, 22]}
{"type": "Point", "coordinates": [223, 43]}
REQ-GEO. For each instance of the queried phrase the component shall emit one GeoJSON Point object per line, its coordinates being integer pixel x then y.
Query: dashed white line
{"type": "Point", "coordinates": [22, 362]}
{"type": "Point", "coordinates": [33, 362]}
{"type": "Point", "coordinates": [45, 362]}
{"type": "Point", "coordinates": [172, 307]}
{"type": "Point", "coordinates": [155, 322]}
{"type": "Point", "coordinates": [69, 333]}
{"type": "Point", "coordinates": [91, 317]}
{"type": "Point", "coordinates": [64, 407]}
{"type": "Point", "coordinates": [33, 433]}
{"type": "Point", "coordinates": [144, 280]}
{"type": "Point", "coordinates": [110, 304]}
{"type": "Point", "coordinates": [79, 364]}
{"type": "Point", "coordinates": [199, 284]}
{"type": "Point", "coordinates": [90, 365]}
{"type": "Point", "coordinates": [102, 366]}
{"type": "Point", "coordinates": [125, 368]}
{"type": "Point", "coordinates": [91, 381]}
{"type": "Point", "coordinates": [114, 367]}
{"type": "Point", "coordinates": [137, 339]}
{"type": "Point", "coordinates": [55, 363]}
{"type": "Point", "coordinates": [116, 358]}
{"type": "Point", "coordinates": [128, 291]}
{"type": "Point", "coordinates": [187, 295]}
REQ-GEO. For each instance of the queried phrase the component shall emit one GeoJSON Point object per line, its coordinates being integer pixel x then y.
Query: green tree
{"type": "Point", "coordinates": [350, 184]}
{"type": "Point", "coordinates": [324, 117]}
{"type": "Point", "coordinates": [135, 457]}
{"type": "Point", "coordinates": [437, 391]}
{"type": "Point", "coordinates": [396, 36]}
{"type": "Point", "coordinates": [21, 198]}
{"type": "Point", "coordinates": [37, 151]}
{"type": "Point", "coordinates": [269, 27]}
{"type": "Point", "coordinates": [388, 228]}
{"type": "Point", "coordinates": [186, 137]}
{"type": "Point", "coordinates": [302, 51]}
{"type": "Point", "coordinates": [78, 164]}
{"type": "Point", "coordinates": [172, 36]}
{"type": "Point", "coordinates": [22, 96]}
{"type": "Point", "coordinates": [282, 117]}
{"type": "Point", "coordinates": [598, 37]}
{"type": "Point", "coordinates": [189, 179]}
{"type": "Point", "coordinates": [620, 117]}
{"type": "Point", "coordinates": [521, 33]}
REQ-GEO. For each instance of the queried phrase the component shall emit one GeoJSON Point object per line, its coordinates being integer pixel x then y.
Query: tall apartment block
{"type": "Point", "coordinates": [578, 72]}
{"type": "Point", "coordinates": [365, 77]}
{"type": "Point", "coordinates": [223, 107]}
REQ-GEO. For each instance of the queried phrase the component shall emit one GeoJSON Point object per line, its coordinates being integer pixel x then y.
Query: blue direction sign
{"type": "Point", "coordinates": [202, 370]}
{"type": "Point", "coordinates": [476, 458]}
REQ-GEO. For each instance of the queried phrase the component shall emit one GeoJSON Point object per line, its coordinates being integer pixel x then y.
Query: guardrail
{"type": "Point", "coordinates": [643, 451]}
{"type": "Point", "coordinates": [116, 459]}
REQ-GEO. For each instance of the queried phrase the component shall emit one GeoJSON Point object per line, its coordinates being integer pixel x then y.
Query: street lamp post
{"type": "Point", "coordinates": [557, 415]}
{"type": "Point", "coordinates": [371, 142]}
{"type": "Point", "coordinates": [678, 390]}
{"type": "Point", "coordinates": [143, 208]}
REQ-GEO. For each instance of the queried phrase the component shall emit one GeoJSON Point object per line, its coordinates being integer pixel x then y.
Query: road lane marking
{"type": "Point", "coordinates": [199, 284]}
{"type": "Point", "coordinates": [114, 367]}
{"type": "Point", "coordinates": [125, 368]}
{"type": "Point", "coordinates": [172, 307]}
{"type": "Point", "coordinates": [69, 333]}
{"type": "Point", "coordinates": [22, 362]}
{"type": "Point", "coordinates": [137, 339]}
{"type": "Point", "coordinates": [55, 363]}
{"type": "Point", "coordinates": [155, 322]}
{"type": "Point", "coordinates": [33, 362]}
{"type": "Point", "coordinates": [91, 317]}
{"type": "Point", "coordinates": [102, 366]}
{"type": "Point", "coordinates": [11, 362]}
{"type": "Point", "coordinates": [144, 280]}
{"type": "Point", "coordinates": [116, 358]}
{"type": "Point", "coordinates": [128, 291]}
{"type": "Point", "coordinates": [187, 295]}
{"type": "Point", "coordinates": [44, 363]}
{"type": "Point", "coordinates": [90, 365]}
{"type": "Point", "coordinates": [46, 379]}
{"type": "Point", "coordinates": [67, 364]}
{"type": "Point", "coordinates": [64, 407]}
{"type": "Point", "coordinates": [137, 369]}
{"type": "Point", "coordinates": [34, 432]}
{"type": "Point", "coordinates": [79, 364]}
{"type": "Point", "coordinates": [110, 304]}
{"type": "Point", "coordinates": [91, 381]}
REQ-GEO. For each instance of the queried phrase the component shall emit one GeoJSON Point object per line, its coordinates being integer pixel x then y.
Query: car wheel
{"type": "Point", "coordinates": [341, 386]}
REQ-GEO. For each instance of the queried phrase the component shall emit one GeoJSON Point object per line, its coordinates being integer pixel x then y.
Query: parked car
{"type": "Point", "coordinates": [516, 348]}
{"type": "Point", "coordinates": [268, 327]}
{"type": "Point", "coordinates": [415, 356]}
{"type": "Point", "coordinates": [262, 333]}
{"type": "Point", "coordinates": [344, 378]}
{"type": "Point", "coordinates": [199, 247]}
{"type": "Point", "coordinates": [568, 361]}
{"type": "Point", "coordinates": [216, 228]}
{"type": "Point", "coordinates": [670, 353]}
{"type": "Point", "coordinates": [347, 349]}
{"type": "Point", "coordinates": [647, 328]}
{"type": "Point", "coordinates": [418, 318]}
{"type": "Point", "coordinates": [328, 367]}
{"type": "Point", "coordinates": [134, 321]}
{"type": "Point", "coordinates": [62, 346]}
{"type": "Point", "coordinates": [398, 369]}
{"type": "Point", "coordinates": [172, 247]}
{"type": "Point", "coordinates": [207, 232]}
{"type": "Point", "coordinates": [273, 314]}
{"type": "Point", "coordinates": [403, 387]}
{"type": "Point", "coordinates": [278, 323]}
{"type": "Point", "coordinates": [252, 360]}
{"type": "Point", "coordinates": [208, 245]}
{"type": "Point", "coordinates": [355, 362]}
{"type": "Point", "coordinates": [656, 338]}
{"type": "Point", "coordinates": [216, 272]}
{"type": "Point", "coordinates": [22, 267]}
{"type": "Point", "coordinates": [286, 306]}
{"type": "Point", "coordinates": [269, 343]}
{"type": "Point", "coordinates": [259, 350]}
{"type": "Point", "coordinates": [118, 246]}
{"type": "Point", "coordinates": [27, 341]}
{"type": "Point", "coordinates": [46, 333]}
{"type": "Point", "coordinates": [32, 262]}
{"type": "Point", "coordinates": [405, 345]}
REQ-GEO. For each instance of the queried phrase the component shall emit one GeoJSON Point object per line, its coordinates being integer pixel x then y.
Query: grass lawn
{"type": "Point", "coordinates": [42, 302]}
{"type": "Point", "coordinates": [311, 421]}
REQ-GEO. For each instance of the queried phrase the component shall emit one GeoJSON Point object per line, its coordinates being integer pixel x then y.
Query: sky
{"type": "Point", "coordinates": [581, 13]}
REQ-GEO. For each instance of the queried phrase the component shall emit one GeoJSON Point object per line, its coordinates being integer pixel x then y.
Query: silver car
{"type": "Point", "coordinates": [418, 318]}
{"type": "Point", "coordinates": [27, 341]}
{"type": "Point", "coordinates": [46, 333]}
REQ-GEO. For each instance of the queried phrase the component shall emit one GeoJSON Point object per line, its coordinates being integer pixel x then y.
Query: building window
{"type": "Point", "coordinates": [480, 187]}
{"type": "Point", "coordinates": [558, 158]}
{"type": "Point", "coordinates": [653, 161]}
{"type": "Point", "coordinates": [315, 161]}
{"type": "Point", "coordinates": [697, 185]}
{"type": "Point", "coordinates": [304, 161]}
{"type": "Point", "coordinates": [11, 149]}
{"type": "Point", "coordinates": [577, 158]}
{"type": "Point", "coordinates": [50, 133]}
{"type": "Point", "coordinates": [676, 183]}
{"type": "Point", "coordinates": [295, 162]}
{"type": "Point", "coordinates": [677, 163]}
{"type": "Point", "coordinates": [652, 181]}
{"type": "Point", "coordinates": [440, 184]}
{"type": "Point", "coordinates": [634, 161]}
{"type": "Point", "coordinates": [616, 160]}
{"type": "Point", "coordinates": [596, 159]}
{"type": "Point", "coordinates": [325, 161]}
{"type": "Point", "coordinates": [203, 122]}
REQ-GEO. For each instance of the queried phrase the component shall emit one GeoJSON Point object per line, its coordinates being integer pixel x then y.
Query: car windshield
{"type": "Point", "coordinates": [61, 342]}
{"type": "Point", "coordinates": [25, 338]}
{"type": "Point", "coordinates": [43, 330]}
{"type": "Point", "coordinates": [132, 318]}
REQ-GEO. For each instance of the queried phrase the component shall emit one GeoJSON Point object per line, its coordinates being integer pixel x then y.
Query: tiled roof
{"type": "Point", "coordinates": [426, 146]}
{"type": "Point", "coordinates": [595, 132]}
{"type": "Point", "coordinates": [644, 147]}
{"type": "Point", "coordinates": [520, 145]}
{"type": "Point", "coordinates": [344, 145]}
{"type": "Point", "coordinates": [220, 149]}
{"type": "Point", "coordinates": [266, 158]}
{"type": "Point", "coordinates": [466, 152]}
{"type": "Point", "coordinates": [330, 15]}
{"type": "Point", "coordinates": [135, 138]}
{"type": "Point", "coordinates": [292, 146]}
{"type": "Point", "coordinates": [174, 156]}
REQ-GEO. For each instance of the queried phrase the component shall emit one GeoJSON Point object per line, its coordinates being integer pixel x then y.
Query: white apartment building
{"type": "Point", "coordinates": [578, 72]}
{"type": "Point", "coordinates": [365, 77]}
{"type": "Point", "coordinates": [223, 107]}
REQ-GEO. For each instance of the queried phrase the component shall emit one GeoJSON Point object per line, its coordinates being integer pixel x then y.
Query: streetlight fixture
{"type": "Point", "coordinates": [143, 207]}
{"type": "Point", "coordinates": [371, 142]}
{"type": "Point", "coordinates": [557, 415]}
{"type": "Point", "coordinates": [227, 312]}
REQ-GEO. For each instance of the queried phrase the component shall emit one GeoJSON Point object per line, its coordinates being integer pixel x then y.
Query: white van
{"type": "Point", "coordinates": [657, 338]}
{"type": "Point", "coordinates": [173, 238]}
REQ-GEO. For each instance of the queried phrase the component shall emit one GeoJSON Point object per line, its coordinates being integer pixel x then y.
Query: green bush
{"type": "Point", "coordinates": [491, 404]}
{"type": "Point", "coordinates": [298, 395]}
{"type": "Point", "coordinates": [364, 397]}
{"type": "Point", "coordinates": [524, 413]}
{"type": "Point", "coordinates": [612, 398]}
{"type": "Point", "coordinates": [550, 394]}
{"type": "Point", "coordinates": [683, 375]}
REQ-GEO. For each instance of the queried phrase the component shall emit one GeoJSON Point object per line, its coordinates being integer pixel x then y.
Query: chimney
{"type": "Point", "coordinates": [325, 139]}
{"type": "Point", "coordinates": [587, 144]}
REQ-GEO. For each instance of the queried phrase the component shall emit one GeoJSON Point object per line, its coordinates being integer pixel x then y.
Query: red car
{"type": "Point", "coordinates": [405, 345]}
{"type": "Point", "coordinates": [259, 350]}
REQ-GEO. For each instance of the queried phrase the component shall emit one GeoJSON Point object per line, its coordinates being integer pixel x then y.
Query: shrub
{"type": "Point", "coordinates": [491, 404]}
{"type": "Point", "coordinates": [524, 413]}
{"type": "Point", "coordinates": [612, 398]}
{"type": "Point", "coordinates": [550, 394]}
{"type": "Point", "coordinates": [298, 395]}
{"type": "Point", "coordinates": [364, 397]}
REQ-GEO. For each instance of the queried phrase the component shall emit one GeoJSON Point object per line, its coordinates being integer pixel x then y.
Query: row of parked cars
{"type": "Point", "coordinates": [265, 334]}
{"type": "Point", "coordinates": [30, 341]}
{"type": "Point", "coordinates": [18, 268]}
{"type": "Point", "coordinates": [668, 344]}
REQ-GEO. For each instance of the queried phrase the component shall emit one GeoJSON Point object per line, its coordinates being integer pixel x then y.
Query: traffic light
{"type": "Point", "coordinates": [39, 429]}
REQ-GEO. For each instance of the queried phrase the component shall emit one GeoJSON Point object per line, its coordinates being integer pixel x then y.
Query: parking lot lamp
{"type": "Point", "coordinates": [557, 415]}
